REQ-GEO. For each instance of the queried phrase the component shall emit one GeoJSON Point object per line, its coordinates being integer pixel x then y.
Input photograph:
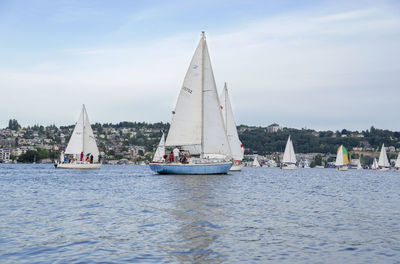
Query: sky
{"type": "Point", "coordinates": [324, 65]}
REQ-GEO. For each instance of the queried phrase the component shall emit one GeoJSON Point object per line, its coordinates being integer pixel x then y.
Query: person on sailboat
{"type": "Point", "coordinates": [81, 155]}
{"type": "Point", "coordinates": [171, 157]}
{"type": "Point", "coordinates": [184, 159]}
{"type": "Point", "coordinates": [91, 158]}
{"type": "Point", "coordinates": [176, 154]}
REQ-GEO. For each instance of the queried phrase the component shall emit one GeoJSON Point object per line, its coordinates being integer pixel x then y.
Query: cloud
{"type": "Point", "coordinates": [321, 68]}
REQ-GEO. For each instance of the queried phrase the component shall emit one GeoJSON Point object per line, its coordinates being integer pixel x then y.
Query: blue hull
{"type": "Point", "coordinates": [209, 168]}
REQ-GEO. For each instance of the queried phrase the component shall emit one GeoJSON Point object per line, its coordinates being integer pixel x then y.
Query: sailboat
{"type": "Point", "coordinates": [197, 125]}
{"type": "Point", "coordinates": [160, 152]}
{"type": "Point", "coordinates": [342, 159]}
{"type": "Point", "coordinates": [374, 165]}
{"type": "Point", "coordinates": [235, 144]}
{"type": "Point", "coordinates": [289, 157]}
{"type": "Point", "coordinates": [82, 151]}
{"type": "Point", "coordinates": [383, 162]}
{"type": "Point", "coordinates": [255, 162]}
{"type": "Point", "coordinates": [397, 164]}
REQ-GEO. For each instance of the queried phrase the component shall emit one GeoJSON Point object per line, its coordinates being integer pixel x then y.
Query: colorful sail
{"type": "Point", "coordinates": [342, 157]}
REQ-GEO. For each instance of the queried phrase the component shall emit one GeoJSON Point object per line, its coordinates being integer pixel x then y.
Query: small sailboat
{"type": "Point", "coordinates": [397, 164]}
{"type": "Point", "coordinates": [342, 159]}
{"type": "Point", "coordinates": [235, 144]}
{"type": "Point", "coordinates": [359, 167]}
{"type": "Point", "coordinates": [289, 157]}
{"type": "Point", "coordinates": [160, 152]}
{"type": "Point", "coordinates": [255, 162]}
{"type": "Point", "coordinates": [383, 162]}
{"type": "Point", "coordinates": [197, 125]}
{"type": "Point", "coordinates": [82, 149]}
{"type": "Point", "coordinates": [374, 165]}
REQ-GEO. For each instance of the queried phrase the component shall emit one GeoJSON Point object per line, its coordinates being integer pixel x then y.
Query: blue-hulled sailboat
{"type": "Point", "coordinates": [197, 125]}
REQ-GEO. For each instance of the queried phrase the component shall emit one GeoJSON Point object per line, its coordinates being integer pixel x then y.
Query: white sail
{"type": "Point", "coordinates": [61, 157]}
{"type": "Point", "coordinates": [82, 139]}
{"type": "Point", "coordinates": [383, 160]}
{"type": "Point", "coordinates": [186, 124]}
{"type": "Point", "coordinates": [339, 157]}
{"type": "Point", "coordinates": [230, 126]}
{"type": "Point", "coordinates": [397, 164]}
{"type": "Point", "coordinates": [289, 156]}
{"type": "Point", "coordinates": [197, 118]}
{"type": "Point", "coordinates": [160, 152]}
{"type": "Point", "coordinates": [374, 164]}
{"type": "Point", "coordinates": [255, 162]}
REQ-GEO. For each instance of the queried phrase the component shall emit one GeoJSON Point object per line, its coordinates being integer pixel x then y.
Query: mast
{"type": "Point", "coordinates": [83, 131]}
{"type": "Point", "coordinates": [203, 37]}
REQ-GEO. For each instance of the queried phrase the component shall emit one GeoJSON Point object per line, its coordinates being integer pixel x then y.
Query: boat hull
{"type": "Point", "coordinates": [383, 169]}
{"type": "Point", "coordinates": [342, 168]}
{"type": "Point", "coordinates": [78, 166]}
{"type": "Point", "coordinates": [237, 167]}
{"type": "Point", "coordinates": [201, 169]}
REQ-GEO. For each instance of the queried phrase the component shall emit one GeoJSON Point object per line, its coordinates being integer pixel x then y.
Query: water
{"type": "Point", "coordinates": [126, 214]}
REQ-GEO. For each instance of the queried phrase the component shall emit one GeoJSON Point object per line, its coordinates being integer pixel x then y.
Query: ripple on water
{"type": "Point", "coordinates": [126, 214]}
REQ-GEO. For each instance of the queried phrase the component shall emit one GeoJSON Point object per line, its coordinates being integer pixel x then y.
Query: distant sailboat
{"type": "Point", "coordinates": [374, 165]}
{"type": "Point", "coordinates": [359, 167]}
{"type": "Point", "coordinates": [397, 164]}
{"type": "Point", "coordinates": [197, 123]}
{"type": "Point", "coordinates": [383, 162]}
{"type": "Point", "coordinates": [255, 162]}
{"type": "Point", "coordinates": [342, 159]}
{"type": "Point", "coordinates": [82, 145]}
{"type": "Point", "coordinates": [289, 157]}
{"type": "Point", "coordinates": [160, 152]}
{"type": "Point", "coordinates": [235, 144]}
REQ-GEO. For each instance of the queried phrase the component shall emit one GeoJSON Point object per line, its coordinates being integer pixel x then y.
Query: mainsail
{"type": "Point", "coordinates": [230, 126]}
{"type": "Point", "coordinates": [197, 120]}
{"type": "Point", "coordinates": [397, 164]}
{"type": "Point", "coordinates": [383, 160]}
{"type": "Point", "coordinates": [289, 156]}
{"type": "Point", "coordinates": [82, 139]}
{"type": "Point", "coordinates": [160, 152]}
{"type": "Point", "coordinates": [374, 164]}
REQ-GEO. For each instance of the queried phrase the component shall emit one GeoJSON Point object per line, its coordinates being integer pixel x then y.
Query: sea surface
{"type": "Point", "coordinates": [127, 214]}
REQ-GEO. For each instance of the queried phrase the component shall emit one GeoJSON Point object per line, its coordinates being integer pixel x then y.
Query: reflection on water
{"type": "Point", "coordinates": [196, 212]}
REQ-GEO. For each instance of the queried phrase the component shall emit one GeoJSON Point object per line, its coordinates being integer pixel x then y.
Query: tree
{"type": "Point", "coordinates": [13, 125]}
{"type": "Point", "coordinates": [318, 160]}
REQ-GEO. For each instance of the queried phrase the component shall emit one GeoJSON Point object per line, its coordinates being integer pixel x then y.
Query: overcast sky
{"type": "Point", "coordinates": [315, 64]}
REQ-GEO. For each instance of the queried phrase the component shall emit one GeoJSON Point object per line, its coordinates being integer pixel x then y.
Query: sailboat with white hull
{"type": "Point", "coordinates": [289, 157]}
{"type": "Point", "coordinates": [82, 151]}
{"type": "Point", "coordinates": [342, 159]}
{"type": "Point", "coordinates": [383, 162]}
{"type": "Point", "coordinates": [235, 144]}
{"type": "Point", "coordinates": [197, 123]}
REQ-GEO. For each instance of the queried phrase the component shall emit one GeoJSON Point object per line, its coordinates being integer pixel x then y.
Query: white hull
{"type": "Point", "coordinates": [79, 166]}
{"type": "Point", "coordinates": [237, 167]}
{"type": "Point", "coordinates": [396, 169]}
{"type": "Point", "coordinates": [342, 168]}
{"type": "Point", "coordinates": [383, 169]}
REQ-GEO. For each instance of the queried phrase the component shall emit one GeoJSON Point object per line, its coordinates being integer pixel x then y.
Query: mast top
{"type": "Point", "coordinates": [203, 34]}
